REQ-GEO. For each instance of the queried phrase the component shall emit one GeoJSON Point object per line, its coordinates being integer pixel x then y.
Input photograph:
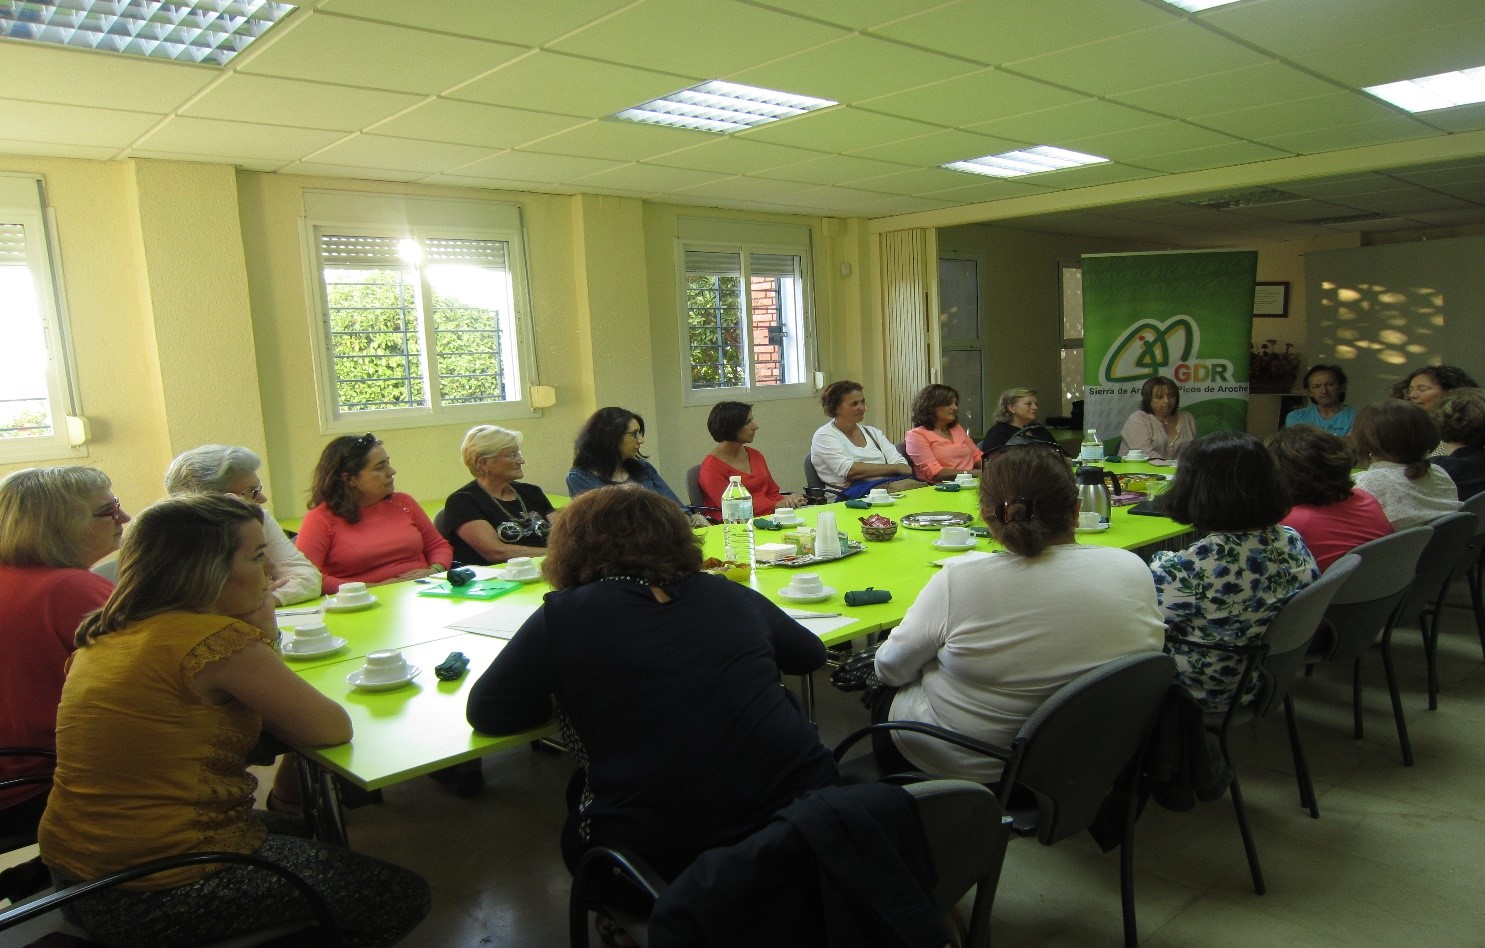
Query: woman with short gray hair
{"type": "Point", "coordinates": [231, 469]}
{"type": "Point", "coordinates": [495, 517]}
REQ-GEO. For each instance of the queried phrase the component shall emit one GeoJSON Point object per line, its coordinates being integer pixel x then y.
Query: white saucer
{"type": "Point", "coordinates": [880, 503]}
{"type": "Point", "coordinates": [940, 544]}
{"type": "Point", "coordinates": [789, 524]}
{"type": "Point", "coordinates": [1098, 529]}
{"type": "Point", "coordinates": [820, 596]}
{"type": "Point", "coordinates": [332, 605]}
{"type": "Point", "coordinates": [354, 678]}
{"type": "Point", "coordinates": [336, 643]}
{"type": "Point", "coordinates": [504, 575]}
{"type": "Point", "coordinates": [1127, 459]}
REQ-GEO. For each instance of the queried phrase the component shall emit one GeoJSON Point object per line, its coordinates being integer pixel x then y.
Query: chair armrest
{"type": "Point", "coordinates": [931, 730]}
{"type": "Point", "coordinates": [593, 865]}
{"type": "Point", "coordinates": [28, 752]}
{"type": "Point", "coordinates": [330, 935]}
{"type": "Point", "coordinates": [25, 781]}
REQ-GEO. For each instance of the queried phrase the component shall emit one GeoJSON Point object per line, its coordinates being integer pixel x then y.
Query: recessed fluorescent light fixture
{"type": "Point", "coordinates": [1013, 164]}
{"type": "Point", "coordinates": [1444, 91]}
{"type": "Point", "coordinates": [722, 107]}
{"type": "Point", "coordinates": [190, 31]}
{"type": "Point", "coordinates": [1196, 6]}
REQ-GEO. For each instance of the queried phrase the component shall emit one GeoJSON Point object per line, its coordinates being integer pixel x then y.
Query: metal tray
{"type": "Point", "coordinates": [936, 519]}
{"type": "Point", "coordinates": [852, 547]}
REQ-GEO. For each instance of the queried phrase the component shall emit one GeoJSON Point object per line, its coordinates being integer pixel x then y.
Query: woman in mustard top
{"type": "Point", "coordinates": [174, 681]}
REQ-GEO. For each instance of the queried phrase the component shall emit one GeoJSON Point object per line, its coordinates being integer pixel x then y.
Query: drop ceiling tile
{"type": "Point", "coordinates": [1296, 211]}
{"type": "Point", "coordinates": [839, 130]}
{"type": "Point", "coordinates": [350, 171]}
{"type": "Point", "coordinates": [621, 141]}
{"type": "Point", "coordinates": [271, 101]}
{"type": "Point", "coordinates": [73, 125]}
{"type": "Point", "coordinates": [1448, 218]}
{"type": "Point", "coordinates": [1018, 29]}
{"type": "Point", "coordinates": [1300, 31]}
{"type": "Point", "coordinates": [1089, 175]}
{"type": "Point", "coordinates": [978, 97]}
{"type": "Point", "coordinates": [336, 49]}
{"type": "Point", "coordinates": [728, 154]}
{"type": "Point", "coordinates": [12, 146]}
{"type": "Point", "coordinates": [704, 40]}
{"type": "Point", "coordinates": [1054, 125]}
{"type": "Point", "coordinates": [1382, 58]}
{"type": "Point", "coordinates": [852, 69]}
{"type": "Point", "coordinates": [100, 80]}
{"type": "Point", "coordinates": [1380, 131]}
{"type": "Point", "coordinates": [855, 14]}
{"type": "Point", "coordinates": [1344, 186]}
{"type": "Point", "coordinates": [977, 188]}
{"type": "Point", "coordinates": [836, 201]}
{"type": "Point", "coordinates": [235, 141]}
{"type": "Point", "coordinates": [1162, 139]}
{"type": "Point", "coordinates": [242, 162]}
{"type": "Point", "coordinates": [1408, 202]}
{"type": "Point", "coordinates": [399, 154]}
{"type": "Point", "coordinates": [532, 166]}
{"type": "Point", "coordinates": [744, 189]}
{"type": "Point", "coordinates": [570, 86]}
{"type": "Point", "coordinates": [940, 148]}
{"type": "Point", "coordinates": [650, 179]}
{"type": "Point", "coordinates": [1161, 54]}
{"type": "Point", "coordinates": [1265, 123]}
{"type": "Point", "coordinates": [900, 205]}
{"type": "Point", "coordinates": [1266, 84]}
{"type": "Point", "coordinates": [1464, 118]}
{"type": "Point", "coordinates": [470, 123]}
{"type": "Point", "coordinates": [498, 184]}
{"type": "Point", "coordinates": [836, 169]}
{"type": "Point", "coordinates": [916, 181]}
{"type": "Point", "coordinates": [523, 22]}
{"type": "Point", "coordinates": [1214, 156]}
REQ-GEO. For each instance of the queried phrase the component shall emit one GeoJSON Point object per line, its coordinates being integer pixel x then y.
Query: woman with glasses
{"type": "Point", "coordinates": [607, 452]}
{"type": "Point", "coordinates": [359, 529]}
{"type": "Point", "coordinates": [55, 523]}
{"type": "Point", "coordinates": [494, 517]}
{"type": "Point", "coordinates": [990, 638]}
{"type": "Point", "coordinates": [229, 469]}
{"type": "Point", "coordinates": [1427, 386]}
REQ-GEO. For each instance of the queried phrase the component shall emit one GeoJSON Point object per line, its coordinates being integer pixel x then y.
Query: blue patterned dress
{"type": "Point", "coordinates": [1226, 588]}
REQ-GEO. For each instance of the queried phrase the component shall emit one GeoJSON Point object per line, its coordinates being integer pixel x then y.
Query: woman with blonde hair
{"type": "Point", "coordinates": [495, 517]}
{"type": "Point", "coordinates": [1017, 410]}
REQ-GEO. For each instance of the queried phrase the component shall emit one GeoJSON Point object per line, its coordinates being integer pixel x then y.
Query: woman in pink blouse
{"type": "Point", "coordinates": [359, 529]}
{"type": "Point", "coordinates": [937, 443]}
{"type": "Point", "coordinates": [731, 425]}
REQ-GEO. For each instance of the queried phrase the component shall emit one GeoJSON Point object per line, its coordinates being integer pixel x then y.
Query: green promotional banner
{"type": "Point", "coordinates": [1186, 315]}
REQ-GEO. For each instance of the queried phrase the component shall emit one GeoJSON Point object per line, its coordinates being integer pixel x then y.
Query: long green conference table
{"type": "Point", "coordinates": [421, 727]}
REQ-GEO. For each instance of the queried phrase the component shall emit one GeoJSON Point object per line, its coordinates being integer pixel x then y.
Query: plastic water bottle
{"type": "Point", "coordinates": [737, 523]}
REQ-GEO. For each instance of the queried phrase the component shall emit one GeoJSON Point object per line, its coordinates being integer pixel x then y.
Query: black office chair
{"type": "Point", "coordinates": [27, 878]}
{"type": "Point", "coordinates": [439, 524]}
{"type": "Point", "coordinates": [1069, 755]}
{"type": "Point", "coordinates": [811, 476]}
{"type": "Point", "coordinates": [694, 496]}
{"type": "Point", "coordinates": [1447, 557]}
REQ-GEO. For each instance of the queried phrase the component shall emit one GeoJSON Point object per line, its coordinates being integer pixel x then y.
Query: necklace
{"type": "Point", "coordinates": [506, 510]}
{"type": "Point", "coordinates": [625, 579]}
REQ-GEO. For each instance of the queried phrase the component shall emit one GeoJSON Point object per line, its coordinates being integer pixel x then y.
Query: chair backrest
{"type": "Point", "coordinates": [108, 569]}
{"type": "Point", "coordinates": [901, 447]}
{"type": "Point", "coordinates": [811, 476]}
{"type": "Point", "coordinates": [1442, 560]}
{"type": "Point", "coordinates": [1288, 635]}
{"type": "Point", "coordinates": [1369, 600]}
{"type": "Point", "coordinates": [438, 524]}
{"type": "Point", "coordinates": [1476, 506]}
{"type": "Point", "coordinates": [962, 822]}
{"type": "Point", "coordinates": [693, 486]}
{"type": "Point", "coordinates": [1070, 752]}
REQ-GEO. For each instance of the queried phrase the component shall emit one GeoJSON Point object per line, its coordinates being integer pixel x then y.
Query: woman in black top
{"type": "Point", "coordinates": [1017, 410]}
{"type": "Point", "coordinates": [666, 683]}
{"type": "Point", "coordinates": [1460, 416]}
{"type": "Point", "coordinates": [494, 517]}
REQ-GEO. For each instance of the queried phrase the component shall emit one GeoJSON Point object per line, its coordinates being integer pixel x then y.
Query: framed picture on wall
{"type": "Point", "coordinates": [1271, 299]}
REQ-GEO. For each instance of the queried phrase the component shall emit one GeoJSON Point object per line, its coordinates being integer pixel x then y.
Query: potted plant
{"type": "Point", "coordinates": [1270, 370]}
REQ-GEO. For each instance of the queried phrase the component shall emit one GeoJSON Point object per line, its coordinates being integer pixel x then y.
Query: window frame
{"type": "Point", "coordinates": [379, 220]}
{"type": "Point", "coordinates": [809, 357]}
{"type": "Point", "coordinates": [23, 201]}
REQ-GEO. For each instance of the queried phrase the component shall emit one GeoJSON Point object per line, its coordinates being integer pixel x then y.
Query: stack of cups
{"type": "Point", "coordinates": [827, 535]}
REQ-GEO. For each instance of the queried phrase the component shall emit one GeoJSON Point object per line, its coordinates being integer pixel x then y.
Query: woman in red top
{"type": "Point", "coordinates": [732, 426]}
{"type": "Point", "coordinates": [55, 523]}
{"type": "Point", "coordinates": [359, 529]}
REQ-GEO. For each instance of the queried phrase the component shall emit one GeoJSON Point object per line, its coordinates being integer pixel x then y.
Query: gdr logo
{"type": "Point", "coordinates": [1170, 348]}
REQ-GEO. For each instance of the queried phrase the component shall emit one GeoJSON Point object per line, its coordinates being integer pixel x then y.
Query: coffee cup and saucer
{"type": "Point", "coordinates": [350, 597]}
{"type": "Point", "coordinates": [807, 587]}
{"type": "Point", "coordinates": [786, 517]}
{"type": "Point", "coordinates": [1091, 522]}
{"type": "Point", "coordinates": [310, 639]}
{"type": "Point", "coordinates": [880, 497]}
{"type": "Point", "coordinates": [519, 569]}
{"type": "Point", "coordinates": [383, 671]}
{"type": "Point", "coordinates": [955, 538]}
{"type": "Point", "coordinates": [964, 479]}
{"type": "Point", "coordinates": [1135, 455]}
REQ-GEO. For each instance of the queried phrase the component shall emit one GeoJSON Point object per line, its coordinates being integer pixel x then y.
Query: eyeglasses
{"type": "Point", "coordinates": [114, 512]}
{"type": "Point", "coordinates": [636, 434]}
{"type": "Point", "coordinates": [1029, 443]}
{"type": "Point", "coordinates": [509, 456]}
{"type": "Point", "coordinates": [250, 494]}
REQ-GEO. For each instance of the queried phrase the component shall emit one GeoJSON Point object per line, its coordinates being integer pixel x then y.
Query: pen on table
{"type": "Point", "coordinates": [812, 615]}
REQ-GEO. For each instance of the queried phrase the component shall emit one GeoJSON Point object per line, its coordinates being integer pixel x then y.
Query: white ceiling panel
{"type": "Point", "coordinates": [728, 154]}
{"type": "Point", "coordinates": [272, 101]}
{"type": "Point", "coordinates": [834, 70]}
{"type": "Point", "coordinates": [10, 146]}
{"type": "Point", "coordinates": [100, 80]}
{"type": "Point", "coordinates": [976, 189]}
{"type": "Point", "coordinates": [571, 86]}
{"type": "Point", "coordinates": [621, 141]}
{"type": "Point", "coordinates": [937, 148]}
{"type": "Point", "coordinates": [836, 169]}
{"type": "Point", "coordinates": [234, 140]}
{"type": "Point", "coordinates": [845, 128]}
{"type": "Point", "coordinates": [1000, 31]}
{"type": "Point", "coordinates": [399, 154]}
{"type": "Point", "coordinates": [350, 171]}
{"type": "Point", "coordinates": [1395, 128]}
{"type": "Point", "coordinates": [471, 123]}
{"type": "Point", "coordinates": [328, 48]}
{"type": "Point", "coordinates": [532, 166]}
{"type": "Point", "coordinates": [74, 125]}
{"type": "Point", "coordinates": [1159, 55]}
{"type": "Point", "coordinates": [900, 205]}
{"type": "Point", "coordinates": [853, 14]}
{"type": "Point", "coordinates": [1301, 31]}
{"type": "Point", "coordinates": [522, 22]}
{"type": "Point", "coordinates": [978, 97]}
{"type": "Point", "coordinates": [1268, 84]}
{"type": "Point", "coordinates": [650, 179]}
{"type": "Point", "coordinates": [1305, 115]}
{"type": "Point", "coordinates": [743, 189]}
{"type": "Point", "coordinates": [1233, 153]}
{"type": "Point", "coordinates": [1051, 126]}
{"type": "Point", "coordinates": [701, 39]}
{"type": "Point", "coordinates": [916, 181]}
{"type": "Point", "coordinates": [1162, 139]}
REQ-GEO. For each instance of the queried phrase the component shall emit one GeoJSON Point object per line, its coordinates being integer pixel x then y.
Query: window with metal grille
{"type": "Point", "coordinates": [745, 320]}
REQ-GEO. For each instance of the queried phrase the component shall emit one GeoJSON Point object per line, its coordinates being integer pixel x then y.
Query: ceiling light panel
{"type": "Point", "coordinates": [722, 107]}
{"type": "Point", "coordinates": [1443, 91]}
{"type": "Point", "coordinates": [1196, 6]}
{"type": "Point", "coordinates": [1014, 164]}
{"type": "Point", "coordinates": [195, 31]}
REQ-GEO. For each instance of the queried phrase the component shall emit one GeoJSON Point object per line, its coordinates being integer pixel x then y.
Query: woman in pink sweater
{"type": "Point", "coordinates": [359, 529]}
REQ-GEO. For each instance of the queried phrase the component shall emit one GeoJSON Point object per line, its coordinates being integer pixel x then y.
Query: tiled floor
{"type": "Point", "coordinates": [1397, 857]}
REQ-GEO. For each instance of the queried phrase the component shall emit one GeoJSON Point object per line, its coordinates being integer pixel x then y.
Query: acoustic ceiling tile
{"type": "Point", "coordinates": [522, 22]}
{"type": "Point", "coordinates": [272, 101]}
{"type": "Point", "coordinates": [994, 33]}
{"type": "Point", "coordinates": [839, 130]}
{"type": "Point", "coordinates": [399, 154]}
{"type": "Point", "coordinates": [1161, 54]}
{"type": "Point", "coordinates": [981, 96]}
{"type": "Point", "coordinates": [728, 154]}
{"type": "Point", "coordinates": [621, 141]}
{"type": "Point", "coordinates": [852, 69]}
{"type": "Point", "coordinates": [235, 141]}
{"type": "Point", "coordinates": [534, 166]}
{"type": "Point", "coordinates": [570, 85]}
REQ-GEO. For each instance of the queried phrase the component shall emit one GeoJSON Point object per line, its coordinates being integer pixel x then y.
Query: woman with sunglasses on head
{"type": "Point", "coordinates": [228, 469]}
{"type": "Point", "coordinates": [990, 638]}
{"type": "Point", "coordinates": [494, 517]}
{"type": "Point", "coordinates": [55, 523]}
{"type": "Point", "coordinates": [358, 528]}
{"type": "Point", "coordinates": [607, 452]}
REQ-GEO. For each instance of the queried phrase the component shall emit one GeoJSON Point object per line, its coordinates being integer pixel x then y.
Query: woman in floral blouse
{"type": "Point", "coordinates": [1229, 585]}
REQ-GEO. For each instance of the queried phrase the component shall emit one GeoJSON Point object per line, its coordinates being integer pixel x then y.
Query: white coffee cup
{"type": "Point", "coordinates": [955, 536]}
{"type": "Point", "coordinates": [520, 567]}
{"type": "Point", "coordinates": [878, 494]}
{"type": "Point", "coordinates": [311, 635]}
{"type": "Point", "coordinates": [1089, 519]}
{"type": "Point", "coordinates": [352, 593]}
{"type": "Point", "coordinates": [786, 517]}
{"type": "Point", "coordinates": [384, 666]}
{"type": "Point", "coordinates": [964, 479]}
{"type": "Point", "coordinates": [1135, 455]}
{"type": "Point", "coordinates": [806, 584]}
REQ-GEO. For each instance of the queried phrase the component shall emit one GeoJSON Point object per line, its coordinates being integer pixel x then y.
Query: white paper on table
{"type": "Point", "coordinates": [500, 621]}
{"type": "Point", "coordinates": [819, 623]}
